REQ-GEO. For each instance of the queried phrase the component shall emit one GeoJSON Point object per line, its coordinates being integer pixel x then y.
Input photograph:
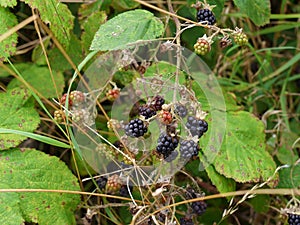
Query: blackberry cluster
{"type": "Point", "coordinates": [180, 110]}
{"type": "Point", "coordinates": [157, 102]}
{"type": "Point", "coordinates": [188, 149]}
{"type": "Point", "coordinates": [206, 15]}
{"type": "Point", "coordinates": [101, 182]}
{"type": "Point", "coordinates": [294, 219]}
{"type": "Point", "coordinates": [186, 221]}
{"type": "Point", "coordinates": [124, 190]}
{"type": "Point", "coordinates": [197, 127]}
{"type": "Point", "coordinates": [135, 128]}
{"type": "Point", "coordinates": [147, 111]}
{"type": "Point", "coordinates": [166, 144]}
{"type": "Point", "coordinates": [199, 207]}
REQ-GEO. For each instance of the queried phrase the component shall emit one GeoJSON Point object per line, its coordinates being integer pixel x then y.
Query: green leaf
{"type": "Point", "coordinates": [74, 51]}
{"type": "Point", "coordinates": [18, 113]}
{"type": "Point", "coordinates": [286, 154]}
{"type": "Point", "coordinates": [126, 28]}
{"type": "Point", "coordinates": [8, 3]}
{"type": "Point", "coordinates": [57, 15]}
{"type": "Point", "coordinates": [40, 79]}
{"type": "Point", "coordinates": [289, 177]}
{"type": "Point", "coordinates": [32, 169]}
{"type": "Point", "coordinates": [260, 203]}
{"type": "Point", "coordinates": [259, 11]}
{"type": "Point", "coordinates": [18, 66]}
{"type": "Point", "coordinates": [124, 4]}
{"type": "Point", "coordinates": [222, 183]}
{"type": "Point", "coordinates": [10, 207]}
{"type": "Point", "coordinates": [90, 27]}
{"type": "Point", "coordinates": [243, 156]}
{"type": "Point", "coordinates": [8, 45]}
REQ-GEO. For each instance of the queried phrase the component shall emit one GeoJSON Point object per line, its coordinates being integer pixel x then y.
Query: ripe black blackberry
{"type": "Point", "coordinates": [186, 221]}
{"type": "Point", "coordinates": [147, 111]}
{"type": "Point", "coordinates": [124, 190]}
{"type": "Point", "coordinates": [199, 207]}
{"type": "Point", "coordinates": [206, 15]}
{"type": "Point", "coordinates": [166, 144]}
{"type": "Point", "coordinates": [294, 219]}
{"type": "Point", "coordinates": [101, 181]}
{"type": "Point", "coordinates": [173, 155]}
{"type": "Point", "coordinates": [157, 102]}
{"type": "Point", "coordinates": [188, 149]}
{"type": "Point", "coordinates": [180, 110]}
{"type": "Point", "coordinates": [135, 128]}
{"type": "Point", "coordinates": [196, 126]}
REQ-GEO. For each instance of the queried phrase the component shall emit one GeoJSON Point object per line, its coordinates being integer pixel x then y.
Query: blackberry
{"type": "Point", "coordinates": [294, 219]}
{"type": "Point", "coordinates": [197, 127]}
{"type": "Point", "coordinates": [206, 15]}
{"type": "Point", "coordinates": [157, 102]}
{"type": "Point", "coordinates": [180, 110]}
{"type": "Point", "coordinates": [186, 221]}
{"type": "Point", "coordinates": [199, 207]}
{"type": "Point", "coordinates": [101, 181]}
{"type": "Point", "coordinates": [124, 190]}
{"type": "Point", "coordinates": [173, 155]}
{"type": "Point", "coordinates": [135, 128]}
{"type": "Point", "coordinates": [190, 193]}
{"type": "Point", "coordinates": [166, 144]}
{"type": "Point", "coordinates": [146, 111]}
{"type": "Point", "coordinates": [188, 149]}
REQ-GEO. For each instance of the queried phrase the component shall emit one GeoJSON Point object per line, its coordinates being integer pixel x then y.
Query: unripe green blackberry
{"type": "Point", "coordinates": [239, 37]}
{"type": "Point", "coordinates": [59, 116]}
{"type": "Point", "coordinates": [78, 115]}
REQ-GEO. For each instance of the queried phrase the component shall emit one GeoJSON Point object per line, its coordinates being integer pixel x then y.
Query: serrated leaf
{"type": "Point", "coordinates": [90, 27]}
{"type": "Point", "coordinates": [57, 15]}
{"type": "Point", "coordinates": [259, 11]}
{"type": "Point", "coordinates": [243, 156]}
{"type": "Point", "coordinates": [74, 51]}
{"type": "Point", "coordinates": [289, 177]}
{"type": "Point", "coordinates": [32, 169]}
{"type": "Point", "coordinates": [40, 79]}
{"type": "Point", "coordinates": [8, 3]}
{"type": "Point", "coordinates": [126, 28]}
{"type": "Point", "coordinates": [18, 113]}
{"type": "Point", "coordinates": [8, 45]}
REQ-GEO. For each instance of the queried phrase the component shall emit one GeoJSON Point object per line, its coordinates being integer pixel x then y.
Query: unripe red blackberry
{"type": "Point", "coordinates": [113, 184]}
{"type": "Point", "coordinates": [113, 94]}
{"type": "Point", "coordinates": [63, 100]}
{"type": "Point", "coordinates": [77, 97]}
{"type": "Point", "coordinates": [203, 45]}
{"type": "Point", "coordinates": [165, 117]}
